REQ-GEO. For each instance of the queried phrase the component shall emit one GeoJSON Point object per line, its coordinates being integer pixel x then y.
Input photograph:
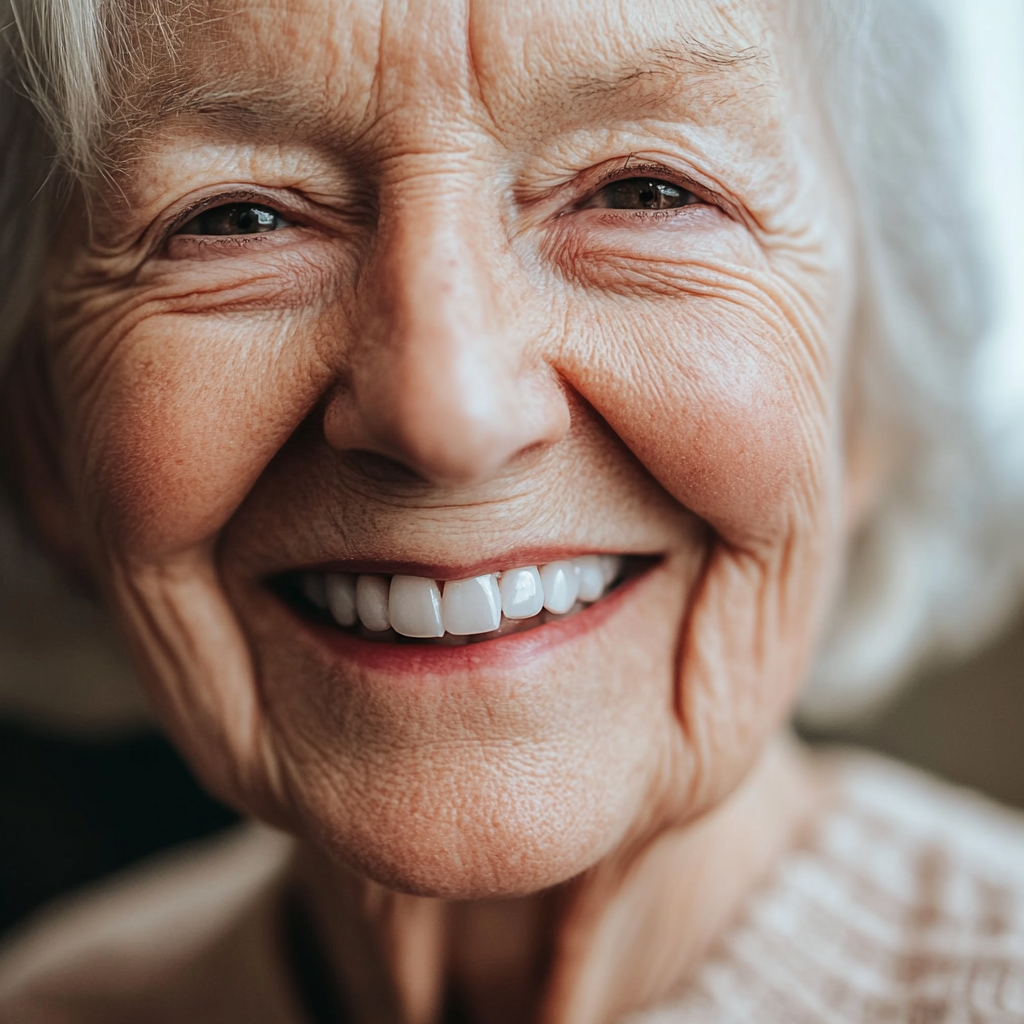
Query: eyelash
{"type": "Point", "coordinates": [639, 170]}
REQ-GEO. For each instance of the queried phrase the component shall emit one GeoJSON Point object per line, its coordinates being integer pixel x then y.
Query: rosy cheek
{"type": "Point", "coordinates": [744, 461]}
{"type": "Point", "coordinates": [182, 388]}
{"type": "Point", "coordinates": [725, 440]}
{"type": "Point", "coordinates": [190, 413]}
{"type": "Point", "coordinates": [715, 381]}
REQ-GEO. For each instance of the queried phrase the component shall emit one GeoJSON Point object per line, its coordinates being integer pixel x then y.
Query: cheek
{"type": "Point", "coordinates": [711, 358]}
{"type": "Point", "coordinates": [178, 390]}
{"type": "Point", "coordinates": [723, 402]}
{"type": "Point", "coordinates": [184, 419]}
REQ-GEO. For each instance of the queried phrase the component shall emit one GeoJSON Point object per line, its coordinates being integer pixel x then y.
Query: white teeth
{"type": "Point", "coordinates": [341, 597]}
{"type": "Point", "coordinates": [414, 606]}
{"type": "Point", "coordinates": [590, 574]}
{"type": "Point", "coordinates": [560, 586]}
{"type": "Point", "coordinates": [612, 566]}
{"type": "Point", "coordinates": [522, 593]}
{"type": "Point", "coordinates": [372, 602]}
{"type": "Point", "coordinates": [314, 589]}
{"type": "Point", "coordinates": [471, 606]}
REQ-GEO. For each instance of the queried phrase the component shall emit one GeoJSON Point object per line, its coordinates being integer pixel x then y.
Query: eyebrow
{"type": "Point", "coordinates": [688, 58]}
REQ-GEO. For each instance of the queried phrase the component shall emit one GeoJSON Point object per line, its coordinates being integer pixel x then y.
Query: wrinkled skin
{"type": "Point", "coordinates": [448, 361]}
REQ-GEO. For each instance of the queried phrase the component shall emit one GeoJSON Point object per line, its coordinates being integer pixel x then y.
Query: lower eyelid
{"type": "Point", "coordinates": [605, 213]}
{"type": "Point", "coordinates": [222, 245]}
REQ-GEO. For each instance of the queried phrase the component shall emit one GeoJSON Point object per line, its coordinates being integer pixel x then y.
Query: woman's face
{"type": "Point", "coordinates": [441, 290]}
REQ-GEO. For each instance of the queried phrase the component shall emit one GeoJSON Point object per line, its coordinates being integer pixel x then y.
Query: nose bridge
{"type": "Point", "coordinates": [438, 302]}
{"type": "Point", "coordinates": [440, 378]}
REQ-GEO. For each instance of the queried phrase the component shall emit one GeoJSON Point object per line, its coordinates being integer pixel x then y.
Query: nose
{"type": "Point", "coordinates": [445, 371]}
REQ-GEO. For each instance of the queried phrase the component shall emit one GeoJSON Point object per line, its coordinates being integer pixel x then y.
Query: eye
{"type": "Point", "coordinates": [640, 194]}
{"type": "Point", "coordinates": [234, 219]}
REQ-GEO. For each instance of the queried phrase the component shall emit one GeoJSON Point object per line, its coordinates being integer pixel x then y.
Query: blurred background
{"type": "Point", "coordinates": [87, 784]}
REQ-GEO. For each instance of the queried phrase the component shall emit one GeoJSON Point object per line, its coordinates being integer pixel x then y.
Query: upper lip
{"type": "Point", "coordinates": [457, 570]}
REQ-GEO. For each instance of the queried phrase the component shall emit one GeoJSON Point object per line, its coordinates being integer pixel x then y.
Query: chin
{"type": "Point", "coordinates": [512, 838]}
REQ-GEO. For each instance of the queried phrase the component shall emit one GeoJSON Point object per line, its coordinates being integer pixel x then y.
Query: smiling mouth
{"type": "Point", "coordinates": [416, 609]}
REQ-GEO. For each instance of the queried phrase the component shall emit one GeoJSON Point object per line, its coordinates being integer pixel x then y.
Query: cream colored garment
{"type": "Point", "coordinates": [905, 904]}
{"type": "Point", "coordinates": [905, 907]}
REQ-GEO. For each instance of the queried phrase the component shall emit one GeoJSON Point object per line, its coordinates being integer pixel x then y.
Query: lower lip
{"type": "Point", "coordinates": [506, 652]}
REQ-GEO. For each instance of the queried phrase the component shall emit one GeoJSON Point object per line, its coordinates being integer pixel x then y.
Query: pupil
{"type": "Point", "coordinates": [252, 219]}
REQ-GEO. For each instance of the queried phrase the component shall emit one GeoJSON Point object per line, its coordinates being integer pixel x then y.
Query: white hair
{"type": "Point", "coordinates": [937, 566]}
{"type": "Point", "coordinates": [932, 571]}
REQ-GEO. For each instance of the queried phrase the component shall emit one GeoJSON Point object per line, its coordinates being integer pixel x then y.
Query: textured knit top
{"type": "Point", "coordinates": [904, 904]}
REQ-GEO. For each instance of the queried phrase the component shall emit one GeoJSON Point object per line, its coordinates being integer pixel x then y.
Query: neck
{"type": "Point", "coordinates": [623, 935]}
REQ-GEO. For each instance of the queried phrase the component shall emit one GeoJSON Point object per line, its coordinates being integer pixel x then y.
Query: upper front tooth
{"type": "Point", "coordinates": [591, 577]}
{"type": "Point", "coordinates": [560, 586]}
{"type": "Point", "coordinates": [414, 606]}
{"type": "Point", "coordinates": [372, 602]}
{"type": "Point", "coordinates": [522, 593]}
{"type": "Point", "coordinates": [341, 597]}
{"type": "Point", "coordinates": [471, 606]}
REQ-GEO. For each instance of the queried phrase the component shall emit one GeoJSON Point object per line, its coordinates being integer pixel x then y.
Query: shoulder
{"type": "Point", "coordinates": [904, 903]}
{"type": "Point", "coordinates": [159, 943]}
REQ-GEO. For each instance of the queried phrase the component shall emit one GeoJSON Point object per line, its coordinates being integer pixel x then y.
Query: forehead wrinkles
{"type": "Point", "coordinates": [423, 54]}
{"type": "Point", "coordinates": [316, 68]}
{"type": "Point", "coordinates": [357, 61]}
{"type": "Point", "coordinates": [302, 68]}
{"type": "Point", "coordinates": [302, 58]}
{"type": "Point", "coordinates": [228, 66]}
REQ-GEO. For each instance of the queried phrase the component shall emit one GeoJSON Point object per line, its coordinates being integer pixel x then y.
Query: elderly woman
{"type": "Point", "coordinates": [475, 415]}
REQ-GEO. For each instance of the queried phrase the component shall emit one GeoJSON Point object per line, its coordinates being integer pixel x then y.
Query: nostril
{"type": "Point", "coordinates": [381, 469]}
